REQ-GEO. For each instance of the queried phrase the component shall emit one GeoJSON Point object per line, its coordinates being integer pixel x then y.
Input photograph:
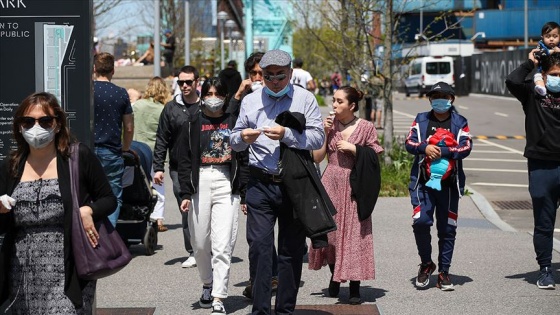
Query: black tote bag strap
{"type": "Point", "coordinates": [75, 173]}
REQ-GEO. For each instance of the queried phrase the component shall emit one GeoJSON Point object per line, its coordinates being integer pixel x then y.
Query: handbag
{"type": "Point", "coordinates": [111, 254]}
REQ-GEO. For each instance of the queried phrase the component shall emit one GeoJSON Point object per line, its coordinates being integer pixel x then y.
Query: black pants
{"type": "Point", "coordinates": [184, 215]}
{"type": "Point", "coordinates": [267, 202]}
{"type": "Point", "coordinates": [544, 188]}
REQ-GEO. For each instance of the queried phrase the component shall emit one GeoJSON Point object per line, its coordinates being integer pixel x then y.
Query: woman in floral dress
{"type": "Point", "coordinates": [350, 251]}
{"type": "Point", "coordinates": [37, 267]}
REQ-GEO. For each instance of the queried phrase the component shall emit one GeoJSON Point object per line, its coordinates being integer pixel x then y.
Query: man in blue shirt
{"type": "Point", "coordinates": [266, 198]}
{"type": "Point", "coordinates": [112, 120]}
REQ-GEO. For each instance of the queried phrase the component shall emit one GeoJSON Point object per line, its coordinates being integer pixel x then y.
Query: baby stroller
{"type": "Point", "coordinates": [134, 224]}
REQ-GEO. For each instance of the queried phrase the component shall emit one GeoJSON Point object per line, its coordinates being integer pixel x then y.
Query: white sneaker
{"type": "Point", "coordinates": [189, 263]}
{"type": "Point", "coordinates": [218, 308]}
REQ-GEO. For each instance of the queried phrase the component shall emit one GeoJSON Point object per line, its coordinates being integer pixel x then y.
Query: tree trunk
{"type": "Point", "coordinates": [388, 83]}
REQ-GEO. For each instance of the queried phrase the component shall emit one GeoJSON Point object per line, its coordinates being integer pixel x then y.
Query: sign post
{"type": "Point", "coordinates": [46, 46]}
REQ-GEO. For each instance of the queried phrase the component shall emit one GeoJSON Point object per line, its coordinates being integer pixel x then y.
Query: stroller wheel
{"type": "Point", "coordinates": [150, 240]}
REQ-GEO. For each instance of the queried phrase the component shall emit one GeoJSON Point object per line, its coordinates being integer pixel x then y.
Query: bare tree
{"type": "Point", "coordinates": [347, 36]}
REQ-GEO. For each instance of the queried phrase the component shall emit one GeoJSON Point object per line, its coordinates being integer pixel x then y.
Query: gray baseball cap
{"type": "Point", "coordinates": [275, 57]}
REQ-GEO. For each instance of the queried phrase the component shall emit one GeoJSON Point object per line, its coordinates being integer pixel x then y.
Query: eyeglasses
{"type": "Point", "coordinates": [188, 82]}
{"type": "Point", "coordinates": [28, 122]}
{"type": "Point", "coordinates": [278, 77]}
{"type": "Point", "coordinates": [254, 73]}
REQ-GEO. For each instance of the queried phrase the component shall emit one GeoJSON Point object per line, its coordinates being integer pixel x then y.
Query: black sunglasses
{"type": "Point", "coordinates": [279, 77]}
{"type": "Point", "coordinates": [28, 122]}
{"type": "Point", "coordinates": [188, 82]}
{"type": "Point", "coordinates": [254, 72]}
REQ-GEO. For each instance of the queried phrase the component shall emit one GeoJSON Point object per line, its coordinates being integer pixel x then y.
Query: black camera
{"type": "Point", "coordinates": [539, 54]}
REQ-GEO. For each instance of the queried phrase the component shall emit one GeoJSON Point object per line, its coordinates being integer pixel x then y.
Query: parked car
{"type": "Point", "coordinates": [424, 72]}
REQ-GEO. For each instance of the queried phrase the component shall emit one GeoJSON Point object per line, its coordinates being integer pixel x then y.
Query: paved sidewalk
{"type": "Point", "coordinates": [494, 271]}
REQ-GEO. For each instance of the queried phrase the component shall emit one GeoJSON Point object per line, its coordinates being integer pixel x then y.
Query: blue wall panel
{"type": "Point", "coordinates": [509, 24]}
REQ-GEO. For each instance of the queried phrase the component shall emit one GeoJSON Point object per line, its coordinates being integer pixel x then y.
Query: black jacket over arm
{"type": "Point", "coordinates": [365, 180]}
{"type": "Point", "coordinates": [312, 205]}
{"type": "Point", "coordinates": [95, 186]}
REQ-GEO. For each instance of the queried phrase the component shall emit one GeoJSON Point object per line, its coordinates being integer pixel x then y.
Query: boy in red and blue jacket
{"type": "Point", "coordinates": [426, 200]}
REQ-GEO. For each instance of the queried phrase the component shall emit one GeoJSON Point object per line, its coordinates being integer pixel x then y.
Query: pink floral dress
{"type": "Point", "coordinates": [351, 245]}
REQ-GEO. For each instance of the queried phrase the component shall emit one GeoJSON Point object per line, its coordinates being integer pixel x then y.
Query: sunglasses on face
{"type": "Point", "coordinates": [254, 73]}
{"type": "Point", "coordinates": [45, 122]}
{"type": "Point", "coordinates": [279, 77]}
{"type": "Point", "coordinates": [188, 82]}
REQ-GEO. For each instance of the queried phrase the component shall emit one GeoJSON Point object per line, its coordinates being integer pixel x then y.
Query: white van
{"type": "Point", "coordinates": [424, 72]}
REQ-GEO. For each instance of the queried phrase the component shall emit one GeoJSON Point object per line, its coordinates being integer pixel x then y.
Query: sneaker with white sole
{"type": "Point", "coordinates": [189, 263]}
{"type": "Point", "coordinates": [424, 273]}
{"type": "Point", "coordinates": [546, 279]}
{"type": "Point", "coordinates": [218, 308]}
{"type": "Point", "coordinates": [444, 282]}
{"type": "Point", "coordinates": [206, 297]}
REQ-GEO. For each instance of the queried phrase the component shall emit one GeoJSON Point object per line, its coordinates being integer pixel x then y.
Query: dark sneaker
{"type": "Point", "coordinates": [248, 291]}
{"type": "Point", "coordinates": [546, 279]}
{"type": "Point", "coordinates": [355, 300]}
{"type": "Point", "coordinates": [218, 308]}
{"type": "Point", "coordinates": [424, 274]}
{"type": "Point", "coordinates": [206, 298]}
{"type": "Point", "coordinates": [334, 288]}
{"type": "Point", "coordinates": [443, 282]}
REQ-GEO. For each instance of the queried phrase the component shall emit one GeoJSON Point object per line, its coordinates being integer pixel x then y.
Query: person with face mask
{"type": "Point", "coordinates": [267, 200]}
{"type": "Point", "coordinates": [37, 274]}
{"type": "Point", "coordinates": [212, 179]}
{"type": "Point", "coordinates": [425, 200]}
{"type": "Point", "coordinates": [249, 85]}
{"type": "Point", "coordinates": [542, 128]}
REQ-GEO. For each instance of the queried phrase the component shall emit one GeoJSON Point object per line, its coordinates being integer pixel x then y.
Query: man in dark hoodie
{"type": "Point", "coordinates": [174, 115]}
{"type": "Point", "coordinates": [542, 150]}
{"type": "Point", "coordinates": [231, 77]}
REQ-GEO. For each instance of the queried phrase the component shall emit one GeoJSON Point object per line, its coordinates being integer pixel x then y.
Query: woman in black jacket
{"type": "Point", "coordinates": [37, 268]}
{"type": "Point", "coordinates": [212, 178]}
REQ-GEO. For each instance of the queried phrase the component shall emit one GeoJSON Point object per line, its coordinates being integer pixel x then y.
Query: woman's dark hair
{"type": "Point", "coordinates": [253, 59]}
{"type": "Point", "coordinates": [49, 104]}
{"type": "Point", "coordinates": [353, 95]}
{"type": "Point", "coordinates": [221, 89]}
{"type": "Point", "coordinates": [548, 27]}
{"type": "Point", "coordinates": [549, 61]}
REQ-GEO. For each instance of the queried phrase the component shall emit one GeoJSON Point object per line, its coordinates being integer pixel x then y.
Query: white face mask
{"type": "Point", "coordinates": [38, 137]}
{"type": "Point", "coordinates": [214, 104]}
{"type": "Point", "coordinates": [257, 85]}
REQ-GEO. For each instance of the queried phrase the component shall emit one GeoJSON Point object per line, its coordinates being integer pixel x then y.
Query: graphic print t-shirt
{"type": "Point", "coordinates": [214, 140]}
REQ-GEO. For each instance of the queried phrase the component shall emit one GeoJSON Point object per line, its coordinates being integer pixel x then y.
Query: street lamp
{"type": "Point", "coordinates": [418, 36]}
{"type": "Point", "coordinates": [230, 25]}
{"type": "Point", "coordinates": [222, 16]}
{"type": "Point", "coordinates": [481, 34]}
{"type": "Point", "coordinates": [236, 35]}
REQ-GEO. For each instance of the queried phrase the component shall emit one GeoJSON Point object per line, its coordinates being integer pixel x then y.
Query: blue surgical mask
{"type": "Point", "coordinates": [278, 94]}
{"type": "Point", "coordinates": [553, 83]}
{"type": "Point", "coordinates": [441, 105]}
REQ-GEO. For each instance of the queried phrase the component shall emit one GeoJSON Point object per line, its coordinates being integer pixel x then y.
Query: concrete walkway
{"type": "Point", "coordinates": [494, 271]}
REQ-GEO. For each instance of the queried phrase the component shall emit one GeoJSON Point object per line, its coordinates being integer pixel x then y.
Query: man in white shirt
{"type": "Point", "coordinates": [301, 77]}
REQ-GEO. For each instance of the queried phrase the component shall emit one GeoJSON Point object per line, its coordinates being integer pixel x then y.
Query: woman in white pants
{"type": "Point", "coordinates": [212, 178]}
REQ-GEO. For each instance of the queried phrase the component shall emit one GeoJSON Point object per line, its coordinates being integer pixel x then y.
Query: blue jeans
{"type": "Point", "coordinates": [544, 188]}
{"type": "Point", "coordinates": [113, 165]}
{"type": "Point", "coordinates": [267, 203]}
{"type": "Point", "coordinates": [445, 204]}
